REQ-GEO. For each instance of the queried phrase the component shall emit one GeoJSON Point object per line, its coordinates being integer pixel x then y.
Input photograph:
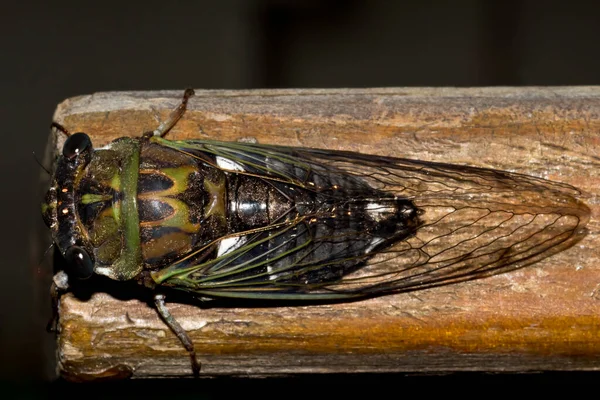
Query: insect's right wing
{"type": "Point", "coordinates": [474, 223]}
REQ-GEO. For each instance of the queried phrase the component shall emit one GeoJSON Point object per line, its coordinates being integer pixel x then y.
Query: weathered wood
{"type": "Point", "coordinates": [544, 317]}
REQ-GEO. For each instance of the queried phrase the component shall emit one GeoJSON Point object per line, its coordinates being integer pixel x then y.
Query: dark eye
{"type": "Point", "coordinates": [76, 144]}
{"type": "Point", "coordinates": [79, 263]}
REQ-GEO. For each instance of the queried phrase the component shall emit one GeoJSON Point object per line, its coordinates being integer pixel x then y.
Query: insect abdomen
{"type": "Point", "coordinates": [254, 202]}
{"type": "Point", "coordinates": [339, 223]}
{"type": "Point", "coordinates": [345, 232]}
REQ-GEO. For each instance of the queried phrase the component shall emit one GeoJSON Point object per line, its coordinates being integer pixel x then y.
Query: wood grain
{"type": "Point", "coordinates": [544, 317]}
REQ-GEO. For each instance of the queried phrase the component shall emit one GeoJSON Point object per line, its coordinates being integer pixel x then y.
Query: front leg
{"type": "Point", "coordinates": [60, 285]}
{"type": "Point", "coordinates": [159, 301]}
{"type": "Point", "coordinates": [175, 116]}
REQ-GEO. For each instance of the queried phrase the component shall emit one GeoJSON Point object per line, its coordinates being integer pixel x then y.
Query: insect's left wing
{"type": "Point", "coordinates": [474, 222]}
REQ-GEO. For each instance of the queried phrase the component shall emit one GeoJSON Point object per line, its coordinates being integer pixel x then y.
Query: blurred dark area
{"type": "Point", "coordinates": [55, 50]}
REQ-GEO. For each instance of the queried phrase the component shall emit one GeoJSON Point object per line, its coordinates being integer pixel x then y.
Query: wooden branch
{"type": "Point", "coordinates": [544, 317]}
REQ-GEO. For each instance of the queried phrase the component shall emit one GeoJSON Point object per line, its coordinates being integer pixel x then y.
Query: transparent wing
{"type": "Point", "coordinates": [473, 223]}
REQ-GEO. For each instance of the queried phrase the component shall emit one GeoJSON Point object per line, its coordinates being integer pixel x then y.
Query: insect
{"type": "Point", "coordinates": [249, 221]}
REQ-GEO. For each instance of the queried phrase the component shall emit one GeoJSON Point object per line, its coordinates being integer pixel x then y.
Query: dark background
{"type": "Point", "coordinates": [54, 51]}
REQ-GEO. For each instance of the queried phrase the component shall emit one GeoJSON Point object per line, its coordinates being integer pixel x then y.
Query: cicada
{"type": "Point", "coordinates": [250, 221]}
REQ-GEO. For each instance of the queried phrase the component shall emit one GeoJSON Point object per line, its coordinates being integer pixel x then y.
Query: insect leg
{"type": "Point", "coordinates": [175, 115]}
{"type": "Point", "coordinates": [60, 284]}
{"type": "Point", "coordinates": [55, 296]}
{"type": "Point", "coordinates": [164, 312]}
{"type": "Point", "coordinates": [61, 128]}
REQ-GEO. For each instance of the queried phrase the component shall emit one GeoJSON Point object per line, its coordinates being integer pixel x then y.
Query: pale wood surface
{"type": "Point", "coordinates": [544, 317]}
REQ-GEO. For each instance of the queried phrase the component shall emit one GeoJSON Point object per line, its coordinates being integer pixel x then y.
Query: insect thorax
{"type": "Point", "coordinates": [182, 204]}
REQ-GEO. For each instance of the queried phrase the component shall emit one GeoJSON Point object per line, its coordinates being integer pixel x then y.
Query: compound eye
{"type": "Point", "coordinates": [79, 263]}
{"type": "Point", "coordinates": [76, 144]}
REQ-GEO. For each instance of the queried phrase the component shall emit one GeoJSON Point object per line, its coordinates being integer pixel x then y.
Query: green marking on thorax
{"type": "Point", "coordinates": [216, 194]}
{"type": "Point", "coordinates": [115, 182]}
{"type": "Point", "coordinates": [179, 176]}
{"type": "Point", "coordinates": [129, 263]}
{"type": "Point", "coordinates": [90, 198]}
{"type": "Point", "coordinates": [180, 218]}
